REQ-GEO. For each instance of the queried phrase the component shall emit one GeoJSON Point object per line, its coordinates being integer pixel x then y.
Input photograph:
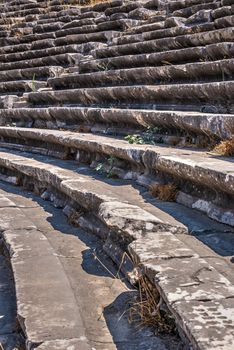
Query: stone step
{"type": "Point", "coordinates": [34, 45]}
{"type": "Point", "coordinates": [152, 241]}
{"type": "Point", "coordinates": [93, 277]}
{"type": "Point", "coordinates": [48, 27]}
{"type": "Point", "coordinates": [148, 27]}
{"type": "Point", "coordinates": [203, 97]}
{"type": "Point", "coordinates": [211, 125]}
{"type": "Point", "coordinates": [11, 8]}
{"type": "Point", "coordinates": [199, 53]}
{"type": "Point", "coordinates": [93, 28]}
{"type": "Point", "coordinates": [26, 39]}
{"type": "Point", "coordinates": [51, 51]}
{"type": "Point", "coordinates": [170, 43]}
{"type": "Point", "coordinates": [180, 4]}
{"type": "Point", "coordinates": [23, 13]}
{"type": "Point", "coordinates": [10, 337]}
{"type": "Point", "coordinates": [192, 10]}
{"type": "Point", "coordinates": [102, 6]}
{"type": "Point", "coordinates": [42, 73]}
{"type": "Point", "coordinates": [205, 181]}
{"type": "Point", "coordinates": [102, 37]}
{"type": "Point", "coordinates": [224, 22]}
{"type": "Point", "coordinates": [199, 72]}
{"type": "Point", "coordinates": [34, 264]}
{"type": "Point", "coordinates": [56, 60]}
{"type": "Point", "coordinates": [19, 87]}
{"type": "Point", "coordinates": [171, 32]}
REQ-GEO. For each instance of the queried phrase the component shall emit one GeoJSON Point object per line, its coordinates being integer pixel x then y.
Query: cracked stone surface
{"type": "Point", "coordinates": [101, 300]}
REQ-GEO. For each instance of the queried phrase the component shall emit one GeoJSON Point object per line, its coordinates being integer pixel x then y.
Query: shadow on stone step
{"type": "Point", "coordinates": [96, 263]}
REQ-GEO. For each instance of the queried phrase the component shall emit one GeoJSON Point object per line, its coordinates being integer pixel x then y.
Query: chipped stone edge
{"type": "Point", "coordinates": [134, 226]}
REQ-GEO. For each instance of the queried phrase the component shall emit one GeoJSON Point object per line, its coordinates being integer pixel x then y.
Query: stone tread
{"type": "Point", "coordinates": [44, 313]}
{"type": "Point", "coordinates": [218, 171]}
{"type": "Point", "coordinates": [199, 71]}
{"type": "Point", "coordinates": [193, 54]}
{"type": "Point", "coordinates": [209, 123]}
{"type": "Point", "coordinates": [183, 293]}
{"type": "Point", "coordinates": [184, 96]}
{"type": "Point", "coordinates": [170, 43]}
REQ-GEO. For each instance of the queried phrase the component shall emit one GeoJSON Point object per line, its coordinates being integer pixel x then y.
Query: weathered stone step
{"type": "Point", "coordinates": [48, 27]}
{"type": "Point", "coordinates": [207, 124]}
{"type": "Point", "coordinates": [173, 5]}
{"type": "Point", "coordinates": [100, 27]}
{"type": "Point", "coordinates": [35, 264]}
{"type": "Point", "coordinates": [73, 244]}
{"type": "Point", "coordinates": [210, 294]}
{"type": "Point", "coordinates": [80, 22]}
{"type": "Point", "coordinates": [223, 11]}
{"type": "Point", "coordinates": [102, 6]}
{"type": "Point", "coordinates": [171, 32]}
{"type": "Point", "coordinates": [26, 39]}
{"type": "Point", "coordinates": [210, 177]}
{"type": "Point", "coordinates": [200, 53]}
{"type": "Point", "coordinates": [85, 38]}
{"type": "Point", "coordinates": [51, 51]}
{"type": "Point", "coordinates": [31, 73]}
{"type": "Point", "coordinates": [23, 13]}
{"type": "Point", "coordinates": [56, 60]}
{"type": "Point", "coordinates": [224, 22]}
{"type": "Point", "coordinates": [193, 10]}
{"type": "Point", "coordinates": [34, 45]}
{"type": "Point", "coordinates": [11, 8]}
{"type": "Point", "coordinates": [10, 337]}
{"type": "Point", "coordinates": [19, 87]}
{"type": "Point", "coordinates": [170, 43]}
{"type": "Point", "coordinates": [148, 27]}
{"type": "Point", "coordinates": [202, 71]}
{"type": "Point", "coordinates": [199, 97]}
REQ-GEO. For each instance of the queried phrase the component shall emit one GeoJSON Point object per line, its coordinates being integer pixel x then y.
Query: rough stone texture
{"type": "Point", "coordinates": [102, 299]}
{"type": "Point", "coordinates": [198, 167]}
{"type": "Point", "coordinates": [181, 276]}
{"type": "Point", "coordinates": [156, 69]}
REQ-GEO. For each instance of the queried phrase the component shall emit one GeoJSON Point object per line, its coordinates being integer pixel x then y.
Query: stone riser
{"type": "Point", "coordinates": [195, 183]}
{"type": "Point", "coordinates": [171, 43]}
{"type": "Point", "coordinates": [32, 54]}
{"type": "Point", "coordinates": [31, 73]}
{"type": "Point", "coordinates": [217, 97]}
{"type": "Point", "coordinates": [56, 60]}
{"type": "Point", "coordinates": [22, 86]}
{"type": "Point", "coordinates": [214, 204]}
{"type": "Point", "coordinates": [171, 32]}
{"type": "Point", "coordinates": [151, 252]}
{"type": "Point", "coordinates": [202, 53]}
{"type": "Point", "coordinates": [202, 71]}
{"type": "Point", "coordinates": [209, 125]}
{"type": "Point", "coordinates": [34, 45]}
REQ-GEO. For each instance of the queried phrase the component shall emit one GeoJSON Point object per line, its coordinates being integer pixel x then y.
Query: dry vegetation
{"type": "Point", "coordinates": [166, 192]}
{"type": "Point", "coordinates": [146, 312]}
{"type": "Point", "coordinates": [225, 148]}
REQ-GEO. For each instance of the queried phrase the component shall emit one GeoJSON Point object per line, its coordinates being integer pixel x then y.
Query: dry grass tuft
{"type": "Point", "coordinates": [166, 192]}
{"type": "Point", "coordinates": [225, 148]}
{"type": "Point", "coordinates": [145, 311]}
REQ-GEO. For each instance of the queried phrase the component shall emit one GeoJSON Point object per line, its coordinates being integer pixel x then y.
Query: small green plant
{"type": "Point", "coordinates": [147, 137]}
{"type": "Point", "coordinates": [134, 139]}
{"type": "Point", "coordinates": [100, 168]}
{"type": "Point", "coordinates": [34, 83]}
